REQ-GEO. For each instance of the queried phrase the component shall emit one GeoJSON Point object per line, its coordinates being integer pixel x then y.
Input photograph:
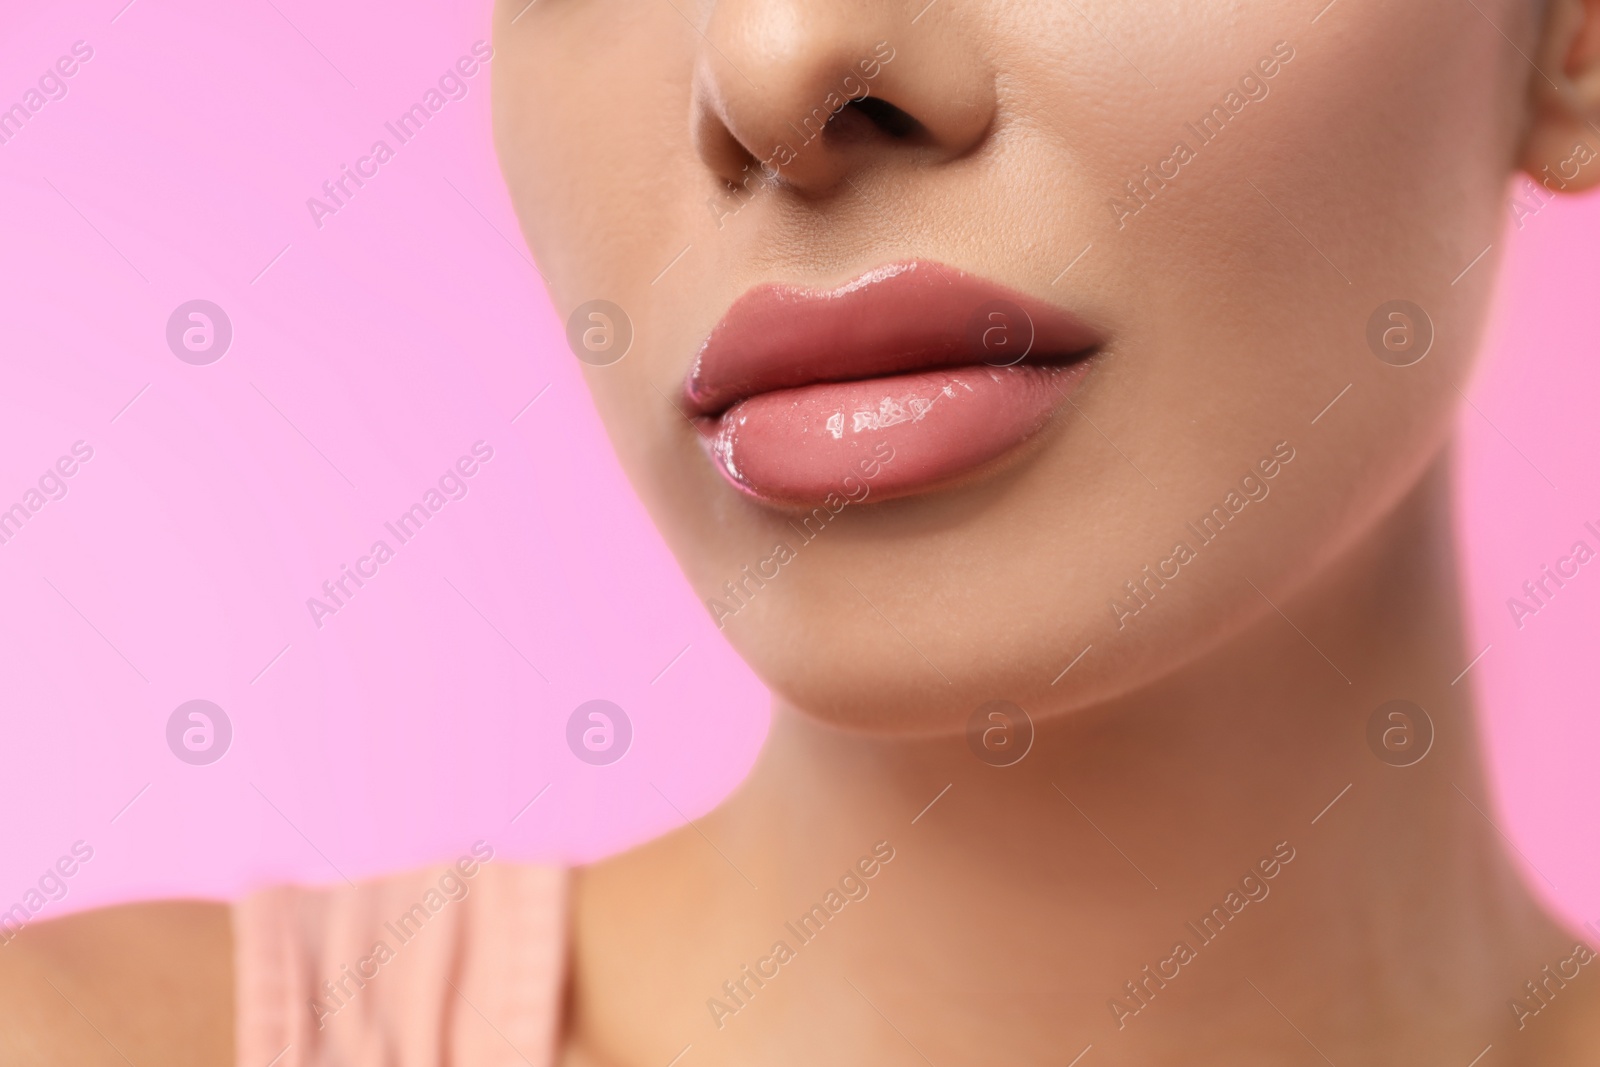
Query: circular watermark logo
{"type": "Point", "coordinates": [599, 332]}
{"type": "Point", "coordinates": [1400, 733]}
{"type": "Point", "coordinates": [599, 732]}
{"type": "Point", "coordinates": [199, 332]}
{"type": "Point", "coordinates": [1000, 333]}
{"type": "Point", "coordinates": [1400, 333]}
{"type": "Point", "coordinates": [1000, 733]}
{"type": "Point", "coordinates": [199, 732]}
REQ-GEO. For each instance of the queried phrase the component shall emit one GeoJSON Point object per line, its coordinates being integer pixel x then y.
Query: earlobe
{"type": "Point", "coordinates": [1562, 147]}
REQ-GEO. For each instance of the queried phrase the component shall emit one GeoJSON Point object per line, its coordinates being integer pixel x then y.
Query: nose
{"type": "Point", "coordinates": [804, 92]}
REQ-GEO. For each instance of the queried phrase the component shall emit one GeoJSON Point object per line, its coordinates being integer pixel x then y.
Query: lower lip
{"type": "Point", "coordinates": [895, 436]}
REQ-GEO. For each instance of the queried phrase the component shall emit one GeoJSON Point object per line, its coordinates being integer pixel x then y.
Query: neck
{"type": "Point", "coordinates": [1097, 891]}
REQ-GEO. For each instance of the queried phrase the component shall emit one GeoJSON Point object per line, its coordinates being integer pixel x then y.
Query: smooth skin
{"type": "Point", "coordinates": [1188, 743]}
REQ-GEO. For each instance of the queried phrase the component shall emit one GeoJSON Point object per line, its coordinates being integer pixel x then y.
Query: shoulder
{"type": "Point", "coordinates": [147, 983]}
{"type": "Point", "coordinates": [647, 924]}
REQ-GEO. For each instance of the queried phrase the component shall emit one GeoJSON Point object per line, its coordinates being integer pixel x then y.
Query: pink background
{"type": "Point", "coordinates": [370, 354]}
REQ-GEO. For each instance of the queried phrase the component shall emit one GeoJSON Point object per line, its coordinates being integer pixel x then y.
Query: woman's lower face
{"type": "Point", "coordinates": [955, 347]}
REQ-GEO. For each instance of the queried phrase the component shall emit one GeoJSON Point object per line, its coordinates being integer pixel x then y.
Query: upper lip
{"type": "Point", "coordinates": [907, 316]}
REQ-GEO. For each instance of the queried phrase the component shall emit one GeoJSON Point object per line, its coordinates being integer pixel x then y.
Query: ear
{"type": "Point", "coordinates": [1562, 148]}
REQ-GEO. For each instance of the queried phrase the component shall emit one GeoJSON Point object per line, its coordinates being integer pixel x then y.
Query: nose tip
{"type": "Point", "coordinates": [801, 95]}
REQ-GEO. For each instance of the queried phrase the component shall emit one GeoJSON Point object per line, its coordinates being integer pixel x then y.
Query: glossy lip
{"type": "Point", "coordinates": [796, 389]}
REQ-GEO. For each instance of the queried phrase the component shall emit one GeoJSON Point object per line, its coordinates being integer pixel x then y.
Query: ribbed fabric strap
{"type": "Point", "coordinates": [431, 968]}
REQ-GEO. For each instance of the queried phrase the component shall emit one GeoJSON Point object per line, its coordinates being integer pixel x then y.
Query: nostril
{"type": "Point", "coordinates": [830, 103]}
{"type": "Point", "coordinates": [888, 119]}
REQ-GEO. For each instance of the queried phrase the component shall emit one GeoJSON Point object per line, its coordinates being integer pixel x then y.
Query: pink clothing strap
{"type": "Point", "coordinates": [431, 968]}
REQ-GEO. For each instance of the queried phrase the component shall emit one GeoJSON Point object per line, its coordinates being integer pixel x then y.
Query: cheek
{"type": "Point", "coordinates": [1308, 213]}
{"type": "Point", "coordinates": [590, 109]}
{"type": "Point", "coordinates": [590, 128]}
